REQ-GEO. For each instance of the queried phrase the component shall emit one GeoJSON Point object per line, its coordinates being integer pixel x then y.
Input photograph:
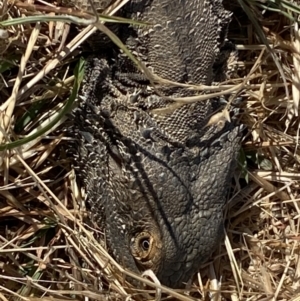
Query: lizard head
{"type": "Point", "coordinates": [164, 206]}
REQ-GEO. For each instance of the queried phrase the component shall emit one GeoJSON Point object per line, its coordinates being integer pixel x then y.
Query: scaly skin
{"type": "Point", "coordinates": [157, 183]}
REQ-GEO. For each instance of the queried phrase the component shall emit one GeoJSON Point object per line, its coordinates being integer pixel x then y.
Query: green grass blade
{"type": "Point", "coordinates": [79, 73]}
{"type": "Point", "coordinates": [67, 19]}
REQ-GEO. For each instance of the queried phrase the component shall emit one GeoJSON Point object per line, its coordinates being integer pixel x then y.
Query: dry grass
{"type": "Point", "coordinates": [49, 251]}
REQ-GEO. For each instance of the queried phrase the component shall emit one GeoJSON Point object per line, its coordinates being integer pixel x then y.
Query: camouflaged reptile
{"type": "Point", "coordinates": [157, 182]}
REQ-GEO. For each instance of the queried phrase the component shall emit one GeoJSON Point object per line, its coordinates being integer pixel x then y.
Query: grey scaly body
{"type": "Point", "coordinates": [157, 183]}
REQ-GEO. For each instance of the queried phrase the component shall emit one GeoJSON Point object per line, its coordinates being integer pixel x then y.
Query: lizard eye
{"type": "Point", "coordinates": [141, 246]}
{"type": "Point", "coordinates": [146, 248]}
{"type": "Point", "coordinates": [145, 243]}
